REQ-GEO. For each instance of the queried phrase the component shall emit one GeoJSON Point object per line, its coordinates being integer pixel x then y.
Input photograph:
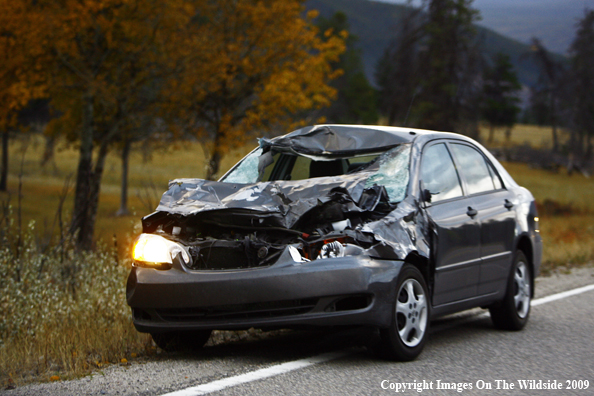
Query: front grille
{"type": "Point", "coordinates": [226, 255]}
{"type": "Point", "coordinates": [239, 311]}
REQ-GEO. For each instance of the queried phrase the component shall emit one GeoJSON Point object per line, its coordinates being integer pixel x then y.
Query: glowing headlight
{"type": "Point", "coordinates": [156, 251]}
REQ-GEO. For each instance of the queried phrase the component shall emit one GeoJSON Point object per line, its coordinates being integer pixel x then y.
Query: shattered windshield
{"type": "Point", "coordinates": [389, 169]}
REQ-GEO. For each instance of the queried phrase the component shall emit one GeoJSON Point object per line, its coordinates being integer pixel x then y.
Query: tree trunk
{"type": "Point", "coordinates": [123, 211]}
{"type": "Point", "coordinates": [554, 125]}
{"type": "Point", "coordinates": [507, 135]}
{"type": "Point", "coordinates": [48, 152]}
{"type": "Point", "coordinates": [555, 139]}
{"type": "Point", "coordinates": [80, 219]}
{"type": "Point", "coordinates": [213, 164]}
{"type": "Point", "coordinates": [86, 242]}
{"type": "Point", "coordinates": [215, 158]}
{"type": "Point", "coordinates": [4, 175]}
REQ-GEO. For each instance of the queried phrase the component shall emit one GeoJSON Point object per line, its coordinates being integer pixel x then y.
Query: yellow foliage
{"type": "Point", "coordinates": [221, 69]}
{"type": "Point", "coordinates": [249, 65]}
{"type": "Point", "coordinates": [19, 80]}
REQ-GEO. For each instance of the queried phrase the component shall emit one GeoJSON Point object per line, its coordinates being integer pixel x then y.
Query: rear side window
{"type": "Point", "coordinates": [438, 173]}
{"type": "Point", "coordinates": [474, 168]}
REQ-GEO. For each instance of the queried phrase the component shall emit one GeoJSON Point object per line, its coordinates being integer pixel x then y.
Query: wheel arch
{"type": "Point", "coordinates": [422, 264]}
{"type": "Point", "coordinates": [525, 247]}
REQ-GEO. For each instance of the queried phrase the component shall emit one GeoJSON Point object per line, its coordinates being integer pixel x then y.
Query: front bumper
{"type": "Point", "coordinates": [354, 290]}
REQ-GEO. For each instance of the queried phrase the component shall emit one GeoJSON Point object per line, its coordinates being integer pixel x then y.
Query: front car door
{"type": "Point", "coordinates": [455, 239]}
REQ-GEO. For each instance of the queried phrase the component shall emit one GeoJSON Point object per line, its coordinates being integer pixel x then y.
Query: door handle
{"type": "Point", "coordinates": [471, 212]}
{"type": "Point", "coordinates": [508, 204]}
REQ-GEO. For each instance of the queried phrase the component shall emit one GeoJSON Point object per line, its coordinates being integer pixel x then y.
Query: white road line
{"type": "Point", "coordinates": [561, 295]}
{"type": "Point", "coordinates": [298, 364]}
{"type": "Point", "coordinates": [257, 375]}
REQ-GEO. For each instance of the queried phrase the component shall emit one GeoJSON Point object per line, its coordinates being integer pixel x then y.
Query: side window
{"type": "Point", "coordinates": [474, 168]}
{"type": "Point", "coordinates": [439, 174]}
{"type": "Point", "coordinates": [496, 180]}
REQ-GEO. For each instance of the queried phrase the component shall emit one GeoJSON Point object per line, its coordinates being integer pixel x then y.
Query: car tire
{"type": "Point", "coordinates": [405, 338]}
{"type": "Point", "coordinates": [181, 341]}
{"type": "Point", "coordinates": [513, 312]}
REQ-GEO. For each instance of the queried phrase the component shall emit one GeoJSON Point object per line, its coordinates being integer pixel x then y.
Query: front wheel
{"type": "Point", "coordinates": [513, 312]}
{"type": "Point", "coordinates": [405, 338]}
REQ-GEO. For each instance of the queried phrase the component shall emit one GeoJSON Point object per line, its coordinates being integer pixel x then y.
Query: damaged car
{"type": "Point", "coordinates": [339, 225]}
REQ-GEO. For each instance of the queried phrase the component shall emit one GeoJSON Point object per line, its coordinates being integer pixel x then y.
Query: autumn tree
{"type": "Point", "coordinates": [582, 73]}
{"type": "Point", "coordinates": [258, 63]}
{"type": "Point", "coordinates": [19, 80]}
{"type": "Point", "coordinates": [500, 95]}
{"type": "Point", "coordinates": [100, 58]}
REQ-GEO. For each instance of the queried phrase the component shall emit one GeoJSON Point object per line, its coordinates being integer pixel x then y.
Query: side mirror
{"type": "Point", "coordinates": [425, 194]}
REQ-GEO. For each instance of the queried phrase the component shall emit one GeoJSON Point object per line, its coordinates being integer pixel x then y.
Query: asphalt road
{"type": "Point", "coordinates": [463, 352]}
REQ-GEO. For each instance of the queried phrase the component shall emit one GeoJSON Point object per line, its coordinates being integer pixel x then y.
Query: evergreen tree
{"type": "Point", "coordinates": [356, 101]}
{"type": "Point", "coordinates": [396, 72]}
{"type": "Point", "coordinates": [548, 92]}
{"type": "Point", "coordinates": [449, 65]}
{"type": "Point", "coordinates": [582, 73]}
{"type": "Point", "coordinates": [429, 76]}
{"type": "Point", "coordinates": [500, 89]}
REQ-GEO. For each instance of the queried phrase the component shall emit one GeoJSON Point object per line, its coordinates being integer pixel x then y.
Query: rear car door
{"type": "Point", "coordinates": [456, 233]}
{"type": "Point", "coordinates": [495, 213]}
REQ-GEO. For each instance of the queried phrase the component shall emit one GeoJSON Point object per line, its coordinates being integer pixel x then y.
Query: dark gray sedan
{"type": "Point", "coordinates": [339, 225]}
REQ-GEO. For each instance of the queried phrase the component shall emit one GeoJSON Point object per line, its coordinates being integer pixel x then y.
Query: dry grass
{"type": "Point", "coordinates": [61, 313]}
{"type": "Point", "coordinates": [61, 318]}
{"type": "Point", "coordinates": [147, 176]}
{"type": "Point", "coordinates": [532, 135]}
{"type": "Point", "coordinates": [566, 211]}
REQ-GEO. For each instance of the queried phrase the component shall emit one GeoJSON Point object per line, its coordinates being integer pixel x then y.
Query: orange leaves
{"type": "Point", "coordinates": [263, 62]}
{"type": "Point", "coordinates": [17, 75]}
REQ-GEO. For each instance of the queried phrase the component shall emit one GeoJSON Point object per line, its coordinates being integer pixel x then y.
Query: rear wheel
{"type": "Point", "coordinates": [405, 338]}
{"type": "Point", "coordinates": [179, 341]}
{"type": "Point", "coordinates": [513, 312]}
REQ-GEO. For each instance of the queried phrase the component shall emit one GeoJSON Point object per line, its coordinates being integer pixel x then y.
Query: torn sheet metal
{"type": "Point", "coordinates": [288, 199]}
{"type": "Point", "coordinates": [365, 207]}
{"type": "Point", "coordinates": [324, 140]}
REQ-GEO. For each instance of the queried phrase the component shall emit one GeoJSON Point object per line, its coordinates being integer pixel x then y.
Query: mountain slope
{"type": "Point", "coordinates": [375, 24]}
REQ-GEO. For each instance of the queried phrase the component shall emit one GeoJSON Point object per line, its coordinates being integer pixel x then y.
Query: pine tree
{"type": "Point", "coordinates": [449, 65]}
{"type": "Point", "coordinates": [582, 73]}
{"type": "Point", "coordinates": [500, 90]}
{"type": "Point", "coordinates": [397, 71]}
{"type": "Point", "coordinates": [356, 99]}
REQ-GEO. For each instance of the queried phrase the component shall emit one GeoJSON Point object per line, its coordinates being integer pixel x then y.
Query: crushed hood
{"type": "Point", "coordinates": [289, 200]}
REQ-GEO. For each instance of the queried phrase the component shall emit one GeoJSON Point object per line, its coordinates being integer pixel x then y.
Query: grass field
{"type": "Point", "coordinates": [43, 187]}
{"type": "Point", "coordinates": [62, 315]}
{"type": "Point", "coordinates": [534, 136]}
